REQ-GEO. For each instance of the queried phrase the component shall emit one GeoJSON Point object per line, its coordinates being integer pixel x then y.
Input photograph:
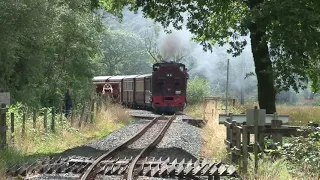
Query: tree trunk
{"type": "Point", "coordinates": [263, 69]}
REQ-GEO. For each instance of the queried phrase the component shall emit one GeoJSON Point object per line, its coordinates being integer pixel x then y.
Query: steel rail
{"type": "Point", "coordinates": [88, 173]}
{"type": "Point", "coordinates": [149, 148]}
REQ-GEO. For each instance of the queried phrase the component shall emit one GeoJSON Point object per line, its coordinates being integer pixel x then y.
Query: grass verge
{"type": "Point", "coordinates": [37, 143]}
{"type": "Point", "coordinates": [214, 134]}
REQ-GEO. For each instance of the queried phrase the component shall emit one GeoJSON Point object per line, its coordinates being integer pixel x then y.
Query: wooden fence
{"type": "Point", "coordinates": [214, 105]}
{"type": "Point", "coordinates": [48, 118]}
{"type": "Point", "coordinates": [238, 135]}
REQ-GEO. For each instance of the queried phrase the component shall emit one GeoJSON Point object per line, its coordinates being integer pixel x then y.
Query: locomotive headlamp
{"type": "Point", "coordinates": [178, 92]}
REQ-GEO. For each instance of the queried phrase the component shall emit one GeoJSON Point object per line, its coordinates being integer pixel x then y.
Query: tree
{"type": "Point", "coordinates": [120, 46]}
{"type": "Point", "coordinates": [197, 90]}
{"type": "Point", "coordinates": [47, 46]}
{"type": "Point", "coordinates": [154, 40]}
{"type": "Point", "coordinates": [284, 36]}
{"type": "Point", "coordinates": [151, 33]}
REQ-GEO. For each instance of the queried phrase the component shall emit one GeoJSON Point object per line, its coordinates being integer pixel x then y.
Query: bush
{"type": "Point", "coordinates": [302, 153]}
{"type": "Point", "coordinates": [197, 89]}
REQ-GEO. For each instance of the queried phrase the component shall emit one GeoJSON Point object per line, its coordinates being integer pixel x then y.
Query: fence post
{"type": "Point", "coordinates": [3, 127]}
{"type": "Point", "coordinates": [45, 119]}
{"type": "Point", "coordinates": [82, 114]}
{"type": "Point", "coordinates": [87, 117]}
{"type": "Point", "coordinates": [52, 120]}
{"type": "Point", "coordinates": [34, 119]}
{"type": "Point", "coordinates": [238, 143]}
{"type": "Point", "coordinates": [92, 111]}
{"type": "Point", "coordinates": [244, 148]}
{"type": "Point", "coordinates": [23, 124]}
{"type": "Point", "coordinates": [275, 124]}
{"type": "Point", "coordinates": [12, 127]}
{"type": "Point", "coordinates": [97, 107]}
{"type": "Point", "coordinates": [228, 133]}
{"type": "Point", "coordinates": [233, 140]}
{"type": "Point", "coordinates": [61, 119]}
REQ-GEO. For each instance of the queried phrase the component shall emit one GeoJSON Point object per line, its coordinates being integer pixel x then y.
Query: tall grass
{"type": "Point", "coordinates": [300, 115]}
{"type": "Point", "coordinates": [37, 142]}
{"type": "Point", "coordinates": [213, 134]}
{"type": "Point", "coordinates": [268, 169]}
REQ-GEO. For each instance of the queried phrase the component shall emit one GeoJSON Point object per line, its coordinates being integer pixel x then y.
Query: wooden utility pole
{"type": "Point", "coordinates": [256, 132]}
{"type": "Point", "coordinates": [242, 81]}
{"type": "Point", "coordinates": [227, 86]}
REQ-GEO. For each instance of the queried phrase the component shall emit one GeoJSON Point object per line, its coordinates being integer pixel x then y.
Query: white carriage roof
{"type": "Point", "coordinates": [116, 78]}
{"type": "Point", "coordinates": [101, 78]}
{"type": "Point", "coordinates": [130, 76]}
{"type": "Point", "coordinates": [144, 75]}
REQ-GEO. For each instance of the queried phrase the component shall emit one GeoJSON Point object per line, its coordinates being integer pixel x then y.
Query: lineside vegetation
{"type": "Point", "coordinates": [298, 159]}
{"type": "Point", "coordinates": [36, 143]}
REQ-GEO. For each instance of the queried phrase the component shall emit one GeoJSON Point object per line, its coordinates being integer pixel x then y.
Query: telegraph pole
{"type": "Point", "coordinates": [242, 80]}
{"type": "Point", "coordinates": [227, 86]}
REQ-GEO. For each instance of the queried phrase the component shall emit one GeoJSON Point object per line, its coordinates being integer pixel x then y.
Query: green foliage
{"type": "Point", "coordinates": [197, 89]}
{"type": "Point", "coordinates": [47, 47]}
{"type": "Point", "coordinates": [112, 6]}
{"type": "Point", "coordinates": [287, 24]}
{"type": "Point", "coordinates": [303, 152]}
{"type": "Point", "coordinates": [284, 36]}
{"type": "Point", "coordinates": [123, 53]}
{"type": "Point", "coordinates": [149, 32]}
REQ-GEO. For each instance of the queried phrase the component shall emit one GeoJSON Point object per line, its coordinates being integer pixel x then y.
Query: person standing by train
{"type": "Point", "coordinates": [68, 103]}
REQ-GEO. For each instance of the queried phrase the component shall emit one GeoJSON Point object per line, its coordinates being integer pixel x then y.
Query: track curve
{"type": "Point", "coordinates": [146, 150]}
{"type": "Point", "coordinates": [90, 173]}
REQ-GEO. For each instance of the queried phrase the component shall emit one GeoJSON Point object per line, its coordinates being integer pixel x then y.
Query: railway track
{"type": "Point", "coordinates": [130, 166]}
{"type": "Point", "coordinates": [92, 170]}
{"type": "Point", "coordinates": [146, 167]}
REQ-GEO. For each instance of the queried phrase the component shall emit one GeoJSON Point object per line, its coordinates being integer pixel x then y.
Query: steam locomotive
{"type": "Point", "coordinates": [163, 91]}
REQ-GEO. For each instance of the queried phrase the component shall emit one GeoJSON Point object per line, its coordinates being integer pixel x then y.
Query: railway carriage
{"type": "Point", "coordinates": [117, 85]}
{"type": "Point", "coordinates": [128, 91]}
{"type": "Point", "coordinates": [163, 91]}
{"type": "Point", "coordinates": [99, 82]}
{"type": "Point", "coordinates": [143, 91]}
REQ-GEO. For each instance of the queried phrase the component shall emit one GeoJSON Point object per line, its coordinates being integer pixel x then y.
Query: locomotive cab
{"type": "Point", "coordinates": [169, 82]}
